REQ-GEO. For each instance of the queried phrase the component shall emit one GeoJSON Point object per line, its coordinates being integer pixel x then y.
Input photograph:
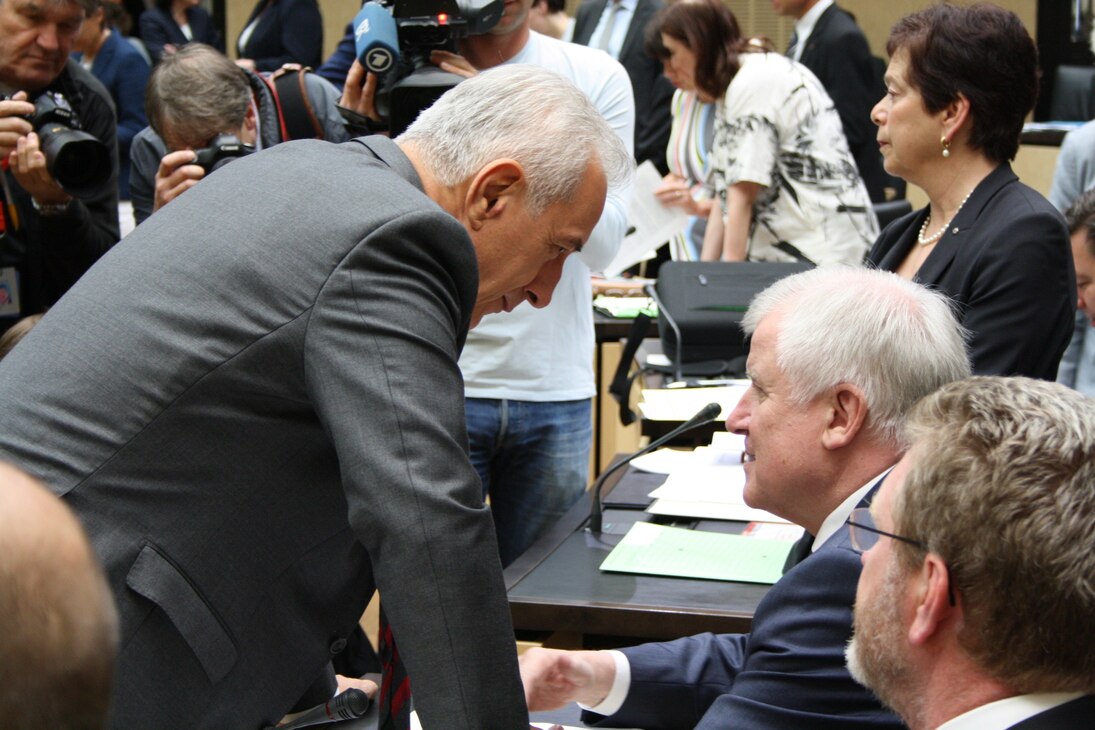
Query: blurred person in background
{"type": "Point", "coordinates": [122, 69]}
{"type": "Point", "coordinates": [170, 24]}
{"type": "Point", "coordinates": [785, 183]}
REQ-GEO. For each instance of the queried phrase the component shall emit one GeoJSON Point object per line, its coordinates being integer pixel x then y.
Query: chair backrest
{"type": "Point", "coordinates": [1073, 94]}
{"type": "Point", "coordinates": [890, 211]}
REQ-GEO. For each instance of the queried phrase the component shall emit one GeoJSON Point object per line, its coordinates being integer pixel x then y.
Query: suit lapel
{"type": "Point", "coordinates": [817, 32]}
{"type": "Point", "coordinates": [586, 21]}
{"type": "Point", "coordinates": [962, 227]}
{"type": "Point", "coordinates": [633, 41]}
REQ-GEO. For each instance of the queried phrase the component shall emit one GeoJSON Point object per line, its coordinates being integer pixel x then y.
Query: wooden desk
{"type": "Point", "coordinates": [557, 585]}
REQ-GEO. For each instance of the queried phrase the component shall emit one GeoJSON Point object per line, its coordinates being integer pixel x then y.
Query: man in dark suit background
{"type": "Point", "coordinates": [626, 22]}
{"type": "Point", "coordinates": [255, 408]}
{"type": "Point", "coordinates": [822, 422]}
{"type": "Point", "coordinates": [975, 601]}
{"type": "Point", "coordinates": [828, 42]}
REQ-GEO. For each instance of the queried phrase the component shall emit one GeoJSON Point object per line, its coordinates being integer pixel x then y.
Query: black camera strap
{"type": "Point", "coordinates": [296, 116]}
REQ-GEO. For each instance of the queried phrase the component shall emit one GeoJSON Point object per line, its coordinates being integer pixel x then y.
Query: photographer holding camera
{"type": "Point", "coordinates": [58, 148]}
{"type": "Point", "coordinates": [203, 109]}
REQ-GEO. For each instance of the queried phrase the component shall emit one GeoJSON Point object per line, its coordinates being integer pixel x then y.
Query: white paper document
{"type": "Point", "coordinates": [708, 483]}
{"type": "Point", "coordinates": [653, 222]}
{"type": "Point", "coordinates": [680, 404]}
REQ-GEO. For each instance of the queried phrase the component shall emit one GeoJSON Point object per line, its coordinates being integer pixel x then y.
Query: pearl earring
{"type": "Point", "coordinates": [946, 146]}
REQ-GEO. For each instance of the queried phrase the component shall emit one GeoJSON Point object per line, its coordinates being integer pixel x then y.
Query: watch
{"type": "Point", "coordinates": [51, 209]}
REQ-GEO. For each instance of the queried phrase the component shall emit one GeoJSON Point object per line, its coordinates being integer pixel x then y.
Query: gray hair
{"type": "Point", "coordinates": [894, 340]}
{"type": "Point", "coordinates": [1005, 494]}
{"type": "Point", "coordinates": [197, 91]}
{"type": "Point", "coordinates": [526, 113]}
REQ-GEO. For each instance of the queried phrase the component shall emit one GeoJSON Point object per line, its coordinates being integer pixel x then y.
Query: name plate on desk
{"type": "Point", "coordinates": [657, 550]}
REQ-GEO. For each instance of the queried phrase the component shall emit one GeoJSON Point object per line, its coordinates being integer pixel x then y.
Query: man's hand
{"type": "Point", "coordinates": [553, 678]}
{"type": "Point", "coordinates": [13, 125]}
{"type": "Point", "coordinates": [359, 92]}
{"type": "Point", "coordinates": [175, 176]}
{"type": "Point", "coordinates": [28, 165]}
{"type": "Point", "coordinates": [453, 63]}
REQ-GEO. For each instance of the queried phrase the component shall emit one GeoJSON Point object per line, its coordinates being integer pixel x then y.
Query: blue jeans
{"type": "Point", "coordinates": [533, 459]}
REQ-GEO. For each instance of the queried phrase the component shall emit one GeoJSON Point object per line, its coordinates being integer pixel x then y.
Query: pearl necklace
{"type": "Point", "coordinates": [938, 234]}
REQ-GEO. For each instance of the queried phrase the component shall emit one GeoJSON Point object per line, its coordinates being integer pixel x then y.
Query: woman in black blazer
{"type": "Point", "coordinates": [171, 24]}
{"type": "Point", "coordinates": [960, 82]}
{"type": "Point", "coordinates": [280, 32]}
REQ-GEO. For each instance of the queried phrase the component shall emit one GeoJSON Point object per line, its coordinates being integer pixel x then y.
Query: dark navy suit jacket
{"type": "Point", "coordinates": [158, 28]}
{"type": "Point", "coordinates": [838, 54]}
{"type": "Point", "coordinates": [788, 672]}
{"type": "Point", "coordinates": [1006, 261]}
{"type": "Point", "coordinates": [288, 31]}
{"type": "Point", "coordinates": [1076, 715]}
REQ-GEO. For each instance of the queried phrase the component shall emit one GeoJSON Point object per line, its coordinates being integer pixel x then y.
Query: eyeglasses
{"type": "Point", "coordinates": [864, 536]}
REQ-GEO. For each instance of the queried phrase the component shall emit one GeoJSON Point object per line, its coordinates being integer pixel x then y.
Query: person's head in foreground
{"type": "Point", "coordinates": [981, 586]}
{"type": "Point", "coordinates": [58, 626]}
{"type": "Point", "coordinates": [528, 183]}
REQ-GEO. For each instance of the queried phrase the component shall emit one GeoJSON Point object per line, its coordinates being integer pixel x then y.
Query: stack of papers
{"type": "Point", "coordinates": [708, 483]}
{"type": "Point", "coordinates": [680, 404]}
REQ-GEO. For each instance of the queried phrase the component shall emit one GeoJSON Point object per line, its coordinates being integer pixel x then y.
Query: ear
{"type": "Point", "coordinates": [956, 117]}
{"type": "Point", "coordinates": [847, 414]}
{"type": "Point", "coordinates": [499, 185]}
{"type": "Point", "coordinates": [249, 119]}
{"type": "Point", "coordinates": [933, 609]}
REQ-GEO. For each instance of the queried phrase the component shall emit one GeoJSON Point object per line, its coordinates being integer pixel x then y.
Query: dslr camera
{"type": "Point", "coordinates": [394, 38]}
{"type": "Point", "coordinates": [223, 149]}
{"type": "Point", "coordinates": [76, 160]}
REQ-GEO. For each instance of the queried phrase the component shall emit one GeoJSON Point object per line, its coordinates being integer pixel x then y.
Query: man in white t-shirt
{"type": "Point", "coordinates": [529, 375]}
{"type": "Point", "coordinates": [974, 605]}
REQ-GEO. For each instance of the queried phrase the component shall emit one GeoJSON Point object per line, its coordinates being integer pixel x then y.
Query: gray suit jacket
{"type": "Point", "coordinates": [254, 406]}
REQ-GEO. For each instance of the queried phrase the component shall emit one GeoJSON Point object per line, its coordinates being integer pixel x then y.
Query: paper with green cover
{"type": "Point", "coordinates": [659, 550]}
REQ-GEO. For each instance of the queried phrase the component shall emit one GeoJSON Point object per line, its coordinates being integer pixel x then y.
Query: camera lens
{"type": "Point", "coordinates": [76, 160]}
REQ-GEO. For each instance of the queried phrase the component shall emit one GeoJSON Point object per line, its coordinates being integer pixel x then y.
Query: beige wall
{"type": "Point", "coordinates": [756, 16]}
{"type": "Point", "coordinates": [336, 14]}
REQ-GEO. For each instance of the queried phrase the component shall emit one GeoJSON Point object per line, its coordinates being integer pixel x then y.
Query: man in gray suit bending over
{"type": "Point", "coordinates": [254, 405]}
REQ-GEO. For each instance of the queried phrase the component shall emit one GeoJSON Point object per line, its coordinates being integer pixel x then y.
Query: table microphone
{"type": "Point", "coordinates": [346, 705]}
{"type": "Point", "coordinates": [708, 413]}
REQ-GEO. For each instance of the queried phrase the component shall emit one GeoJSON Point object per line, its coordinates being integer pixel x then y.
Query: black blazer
{"type": "Point", "coordinates": [289, 31]}
{"type": "Point", "coordinates": [158, 28]}
{"type": "Point", "coordinates": [653, 92]}
{"type": "Point", "coordinates": [1006, 261]}
{"type": "Point", "coordinates": [1069, 716]}
{"type": "Point", "coordinates": [838, 54]}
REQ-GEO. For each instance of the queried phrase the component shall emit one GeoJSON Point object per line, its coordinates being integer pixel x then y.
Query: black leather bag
{"type": "Point", "coordinates": [700, 308]}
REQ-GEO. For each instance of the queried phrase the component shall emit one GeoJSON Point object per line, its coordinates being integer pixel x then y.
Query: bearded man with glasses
{"type": "Point", "coordinates": [975, 602]}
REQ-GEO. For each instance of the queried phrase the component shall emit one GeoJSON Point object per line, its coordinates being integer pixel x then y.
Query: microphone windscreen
{"type": "Point", "coordinates": [376, 38]}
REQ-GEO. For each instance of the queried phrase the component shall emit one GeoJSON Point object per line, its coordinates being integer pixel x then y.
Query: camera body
{"type": "Point", "coordinates": [394, 39]}
{"type": "Point", "coordinates": [79, 162]}
{"type": "Point", "coordinates": [223, 149]}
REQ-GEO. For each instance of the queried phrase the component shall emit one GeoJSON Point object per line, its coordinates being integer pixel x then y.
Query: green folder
{"type": "Point", "coordinates": [657, 550]}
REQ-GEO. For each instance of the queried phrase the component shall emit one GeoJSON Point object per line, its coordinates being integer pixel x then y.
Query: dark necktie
{"type": "Point", "coordinates": [395, 686]}
{"type": "Point", "coordinates": [799, 551]}
{"type": "Point", "coordinates": [791, 45]}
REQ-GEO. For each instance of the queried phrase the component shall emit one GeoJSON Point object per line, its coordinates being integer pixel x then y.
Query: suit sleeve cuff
{"type": "Point", "coordinates": [614, 700]}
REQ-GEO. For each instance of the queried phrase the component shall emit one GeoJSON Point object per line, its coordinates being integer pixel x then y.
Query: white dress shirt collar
{"type": "Point", "coordinates": [841, 514]}
{"type": "Point", "coordinates": [1004, 713]}
{"type": "Point", "coordinates": [804, 26]}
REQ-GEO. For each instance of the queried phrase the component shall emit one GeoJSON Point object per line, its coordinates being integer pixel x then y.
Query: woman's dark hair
{"type": "Point", "coordinates": [982, 52]}
{"type": "Point", "coordinates": [709, 30]}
